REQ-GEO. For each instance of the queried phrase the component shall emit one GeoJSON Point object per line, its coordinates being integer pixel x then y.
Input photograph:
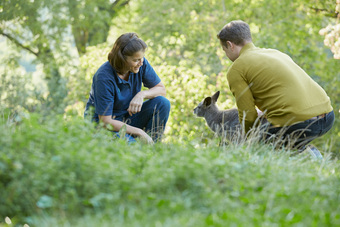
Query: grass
{"type": "Point", "coordinates": [65, 173]}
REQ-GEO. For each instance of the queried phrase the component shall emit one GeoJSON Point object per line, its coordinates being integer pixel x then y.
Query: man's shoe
{"type": "Point", "coordinates": [314, 152]}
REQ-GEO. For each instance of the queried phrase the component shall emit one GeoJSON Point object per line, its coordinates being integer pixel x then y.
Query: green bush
{"type": "Point", "coordinates": [57, 171]}
{"type": "Point", "coordinates": [186, 54]}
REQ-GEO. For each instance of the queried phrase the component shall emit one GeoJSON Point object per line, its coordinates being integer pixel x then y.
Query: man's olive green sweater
{"type": "Point", "coordinates": [272, 81]}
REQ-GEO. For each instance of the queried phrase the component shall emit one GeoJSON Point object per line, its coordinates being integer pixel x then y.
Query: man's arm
{"type": "Point", "coordinates": [244, 99]}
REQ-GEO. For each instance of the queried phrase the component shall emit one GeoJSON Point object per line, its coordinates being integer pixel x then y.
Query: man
{"type": "Point", "coordinates": [297, 108]}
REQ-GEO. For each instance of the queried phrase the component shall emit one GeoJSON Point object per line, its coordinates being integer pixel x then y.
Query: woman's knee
{"type": "Point", "coordinates": [163, 103]}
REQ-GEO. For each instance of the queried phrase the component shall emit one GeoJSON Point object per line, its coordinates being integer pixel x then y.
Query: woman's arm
{"type": "Point", "coordinates": [117, 125]}
{"type": "Point", "coordinates": [137, 101]}
{"type": "Point", "coordinates": [157, 90]}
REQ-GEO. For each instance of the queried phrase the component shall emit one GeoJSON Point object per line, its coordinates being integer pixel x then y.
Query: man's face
{"type": "Point", "coordinates": [229, 51]}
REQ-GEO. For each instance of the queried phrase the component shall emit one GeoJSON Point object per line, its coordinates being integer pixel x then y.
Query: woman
{"type": "Point", "coordinates": [116, 97]}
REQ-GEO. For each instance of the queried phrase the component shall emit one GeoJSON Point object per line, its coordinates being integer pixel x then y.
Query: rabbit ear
{"type": "Point", "coordinates": [215, 96]}
{"type": "Point", "coordinates": [207, 101]}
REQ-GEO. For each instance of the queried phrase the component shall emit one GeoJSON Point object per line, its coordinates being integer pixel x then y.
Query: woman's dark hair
{"type": "Point", "coordinates": [126, 45]}
{"type": "Point", "coordinates": [237, 32]}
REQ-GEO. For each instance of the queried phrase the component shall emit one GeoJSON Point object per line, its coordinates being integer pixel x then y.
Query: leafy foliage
{"type": "Point", "coordinates": [185, 52]}
{"type": "Point", "coordinates": [183, 47]}
{"type": "Point", "coordinates": [50, 167]}
{"type": "Point", "coordinates": [332, 33]}
{"type": "Point", "coordinates": [48, 30]}
{"type": "Point", "coordinates": [63, 168]}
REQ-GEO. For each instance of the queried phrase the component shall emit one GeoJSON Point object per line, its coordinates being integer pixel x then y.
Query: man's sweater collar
{"type": "Point", "coordinates": [247, 47]}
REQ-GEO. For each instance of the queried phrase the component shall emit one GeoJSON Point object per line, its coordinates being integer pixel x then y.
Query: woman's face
{"type": "Point", "coordinates": [135, 61]}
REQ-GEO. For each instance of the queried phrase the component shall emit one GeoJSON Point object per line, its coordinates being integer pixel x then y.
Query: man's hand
{"type": "Point", "coordinates": [259, 113]}
{"type": "Point", "coordinates": [136, 103]}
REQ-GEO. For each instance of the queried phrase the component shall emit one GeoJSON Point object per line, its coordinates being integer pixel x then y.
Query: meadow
{"type": "Point", "coordinates": [64, 172]}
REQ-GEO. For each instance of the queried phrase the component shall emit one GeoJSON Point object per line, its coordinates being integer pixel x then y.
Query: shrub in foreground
{"type": "Point", "coordinates": [59, 171]}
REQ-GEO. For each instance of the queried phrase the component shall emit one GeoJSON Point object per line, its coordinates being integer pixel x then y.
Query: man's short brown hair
{"type": "Point", "coordinates": [237, 32]}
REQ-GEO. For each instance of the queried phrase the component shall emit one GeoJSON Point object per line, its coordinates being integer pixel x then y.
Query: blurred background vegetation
{"type": "Point", "coordinates": [51, 49]}
{"type": "Point", "coordinates": [51, 160]}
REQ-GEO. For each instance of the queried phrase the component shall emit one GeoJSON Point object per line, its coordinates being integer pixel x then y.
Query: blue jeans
{"type": "Point", "coordinates": [152, 118]}
{"type": "Point", "coordinates": [297, 136]}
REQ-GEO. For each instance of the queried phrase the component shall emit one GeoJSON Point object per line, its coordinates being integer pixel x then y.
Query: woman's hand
{"type": "Point", "coordinates": [136, 103]}
{"type": "Point", "coordinates": [145, 137]}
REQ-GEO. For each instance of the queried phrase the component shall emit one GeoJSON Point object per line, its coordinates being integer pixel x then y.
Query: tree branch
{"type": "Point", "coordinates": [327, 12]}
{"type": "Point", "coordinates": [117, 4]}
{"type": "Point", "coordinates": [14, 40]}
{"type": "Point", "coordinates": [120, 3]}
